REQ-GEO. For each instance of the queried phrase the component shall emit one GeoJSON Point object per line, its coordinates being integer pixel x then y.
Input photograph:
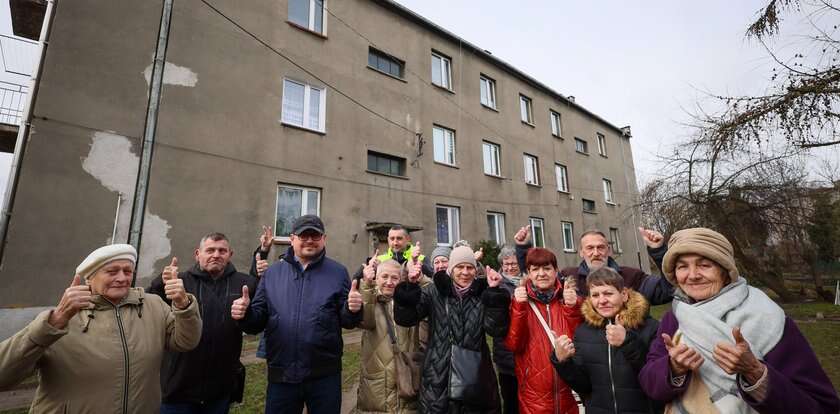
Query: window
{"type": "Point", "coordinates": [492, 160]}
{"type": "Point", "coordinates": [308, 14]}
{"type": "Point", "coordinates": [581, 146]}
{"type": "Point", "coordinates": [441, 71]}
{"type": "Point", "coordinates": [293, 202]}
{"type": "Point", "coordinates": [615, 241]}
{"type": "Point", "coordinates": [386, 164]}
{"type": "Point", "coordinates": [303, 105]}
{"type": "Point", "coordinates": [555, 124]}
{"type": "Point", "coordinates": [532, 169]}
{"type": "Point", "coordinates": [385, 63]}
{"type": "Point", "coordinates": [448, 225]}
{"type": "Point", "coordinates": [496, 227]}
{"type": "Point", "coordinates": [537, 233]}
{"type": "Point", "coordinates": [588, 206]}
{"type": "Point", "coordinates": [525, 109]}
{"type": "Point", "coordinates": [568, 237]}
{"type": "Point", "coordinates": [444, 143]}
{"type": "Point", "coordinates": [562, 178]}
{"type": "Point", "coordinates": [602, 145]}
{"type": "Point", "coordinates": [608, 193]}
{"type": "Point", "coordinates": [488, 92]}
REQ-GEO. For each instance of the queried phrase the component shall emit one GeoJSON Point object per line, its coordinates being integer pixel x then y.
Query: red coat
{"type": "Point", "coordinates": [541, 390]}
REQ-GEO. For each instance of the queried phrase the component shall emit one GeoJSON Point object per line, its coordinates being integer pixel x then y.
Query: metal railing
{"type": "Point", "coordinates": [12, 98]}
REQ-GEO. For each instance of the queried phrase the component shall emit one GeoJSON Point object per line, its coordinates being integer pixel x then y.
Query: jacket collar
{"type": "Point", "coordinates": [633, 313]}
{"type": "Point", "coordinates": [583, 270]}
{"type": "Point", "coordinates": [534, 294]}
{"type": "Point", "coordinates": [134, 297]}
{"type": "Point", "coordinates": [444, 285]}
{"type": "Point", "coordinates": [290, 257]}
{"type": "Point", "coordinates": [200, 273]}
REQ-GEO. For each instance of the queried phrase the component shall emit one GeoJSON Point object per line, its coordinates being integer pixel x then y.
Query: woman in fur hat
{"type": "Point", "coordinates": [725, 347]}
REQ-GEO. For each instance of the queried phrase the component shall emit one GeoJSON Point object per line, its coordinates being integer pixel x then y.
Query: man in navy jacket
{"type": "Point", "coordinates": [302, 302]}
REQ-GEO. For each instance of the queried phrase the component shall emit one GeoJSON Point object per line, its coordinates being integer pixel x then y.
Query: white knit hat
{"type": "Point", "coordinates": [461, 254]}
{"type": "Point", "coordinates": [104, 255]}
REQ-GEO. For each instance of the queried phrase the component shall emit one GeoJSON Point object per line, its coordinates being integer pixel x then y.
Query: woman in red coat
{"type": "Point", "coordinates": [542, 307]}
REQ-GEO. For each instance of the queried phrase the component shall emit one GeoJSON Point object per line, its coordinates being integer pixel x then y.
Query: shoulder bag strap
{"type": "Point", "coordinates": [542, 322]}
{"type": "Point", "coordinates": [389, 325]}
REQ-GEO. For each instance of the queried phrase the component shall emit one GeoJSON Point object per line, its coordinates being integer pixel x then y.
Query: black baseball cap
{"type": "Point", "coordinates": [308, 222]}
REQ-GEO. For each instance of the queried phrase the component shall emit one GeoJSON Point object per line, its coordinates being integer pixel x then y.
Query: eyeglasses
{"type": "Point", "coordinates": [310, 237]}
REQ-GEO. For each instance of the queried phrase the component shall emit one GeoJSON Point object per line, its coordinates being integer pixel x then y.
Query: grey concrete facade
{"type": "Point", "coordinates": [221, 150]}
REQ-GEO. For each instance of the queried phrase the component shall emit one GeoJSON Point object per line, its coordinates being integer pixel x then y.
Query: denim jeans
{"type": "Point", "coordinates": [321, 396]}
{"type": "Point", "coordinates": [208, 407]}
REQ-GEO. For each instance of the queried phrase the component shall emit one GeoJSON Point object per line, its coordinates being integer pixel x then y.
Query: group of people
{"type": "Point", "coordinates": [724, 347]}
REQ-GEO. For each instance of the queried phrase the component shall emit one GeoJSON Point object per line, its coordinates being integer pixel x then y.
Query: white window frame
{"type": "Point", "coordinates": [491, 91]}
{"type": "Point", "coordinates": [534, 163]}
{"type": "Point", "coordinates": [498, 227]}
{"type": "Point", "coordinates": [615, 239]}
{"type": "Point", "coordinates": [311, 25]}
{"type": "Point", "coordinates": [568, 236]}
{"type": "Point", "coordinates": [304, 205]}
{"type": "Point", "coordinates": [445, 69]}
{"type": "Point", "coordinates": [448, 145]}
{"type": "Point", "coordinates": [608, 191]}
{"type": "Point", "coordinates": [602, 145]}
{"type": "Point", "coordinates": [531, 221]}
{"type": "Point", "coordinates": [556, 126]}
{"type": "Point", "coordinates": [526, 109]}
{"type": "Point", "coordinates": [562, 174]}
{"type": "Point", "coordinates": [584, 144]}
{"type": "Point", "coordinates": [492, 156]}
{"type": "Point", "coordinates": [307, 93]}
{"type": "Point", "coordinates": [453, 222]}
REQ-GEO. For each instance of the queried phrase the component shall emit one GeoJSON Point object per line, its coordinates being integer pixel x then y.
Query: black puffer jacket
{"type": "Point", "coordinates": [502, 357]}
{"type": "Point", "coordinates": [607, 376]}
{"type": "Point", "coordinates": [482, 311]}
{"type": "Point", "coordinates": [209, 371]}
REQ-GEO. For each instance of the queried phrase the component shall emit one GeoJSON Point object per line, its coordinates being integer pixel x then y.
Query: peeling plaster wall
{"type": "Point", "coordinates": [173, 75]}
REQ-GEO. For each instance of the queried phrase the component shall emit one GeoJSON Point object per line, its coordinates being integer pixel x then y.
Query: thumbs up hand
{"type": "Point", "coordinates": [738, 358]}
{"type": "Point", "coordinates": [682, 358]}
{"type": "Point", "coordinates": [520, 294]}
{"type": "Point", "coordinates": [494, 279]}
{"type": "Point", "coordinates": [173, 286]}
{"type": "Point", "coordinates": [564, 348]}
{"type": "Point", "coordinates": [354, 298]}
{"type": "Point", "coordinates": [570, 291]}
{"type": "Point", "coordinates": [479, 254]}
{"type": "Point", "coordinates": [523, 235]}
{"type": "Point", "coordinates": [240, 306]}
{"type": "Point", "coordinates": [415, 252]}
{"type": "Point", "coordinates": [415, 270]}
{"type": "Point", "coordinates": [616, 333]}
{"type": "Point", "coordinates": [262, 265]}
{"type": "Point", "coordinates": [75, 298]}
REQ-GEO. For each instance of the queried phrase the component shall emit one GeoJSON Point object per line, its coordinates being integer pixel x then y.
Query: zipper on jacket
{"type": "Point", "coordinates": [554, 375]}
{"type": "Point", "coordinates": [297, 317]}
{"type": "Point", "coordinates": [125, 358]}
{"type": "Point", "coordinates": [612, 381]}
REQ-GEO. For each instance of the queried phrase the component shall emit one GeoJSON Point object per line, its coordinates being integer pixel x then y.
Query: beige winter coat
{"type": "Point", "coordinates": [377, 383]}
{"type": "Point", "coordinates": [107, 359]}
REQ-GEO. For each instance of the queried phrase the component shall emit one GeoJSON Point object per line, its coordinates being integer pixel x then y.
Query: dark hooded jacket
{"type": "Point", "coordinates": [606, 375]}
{"type": "Point", "coordinates": [463, 321]}
{"type": "Point", "coordinates": [208, 372]}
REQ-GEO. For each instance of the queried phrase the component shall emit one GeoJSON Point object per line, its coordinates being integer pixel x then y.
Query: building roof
{"type": "Point", "coordinates": [485, 54]}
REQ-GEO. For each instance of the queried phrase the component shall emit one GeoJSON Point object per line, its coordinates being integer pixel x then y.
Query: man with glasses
{"type": "Point", "coordinates": [302, 302]}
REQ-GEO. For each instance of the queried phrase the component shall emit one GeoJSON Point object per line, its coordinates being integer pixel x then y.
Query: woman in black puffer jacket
{"type": "Point", "coordinates": [609, 349]}
{"type": "Point", "coordinates": [461, 310]}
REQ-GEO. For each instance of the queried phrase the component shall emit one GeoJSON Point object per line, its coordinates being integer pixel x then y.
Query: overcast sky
{"type": "Point", "coordinates": [643, 64]}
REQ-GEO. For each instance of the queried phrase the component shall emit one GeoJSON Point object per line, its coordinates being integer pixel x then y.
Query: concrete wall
{"type": "Point", "coordinates": [221, 149]}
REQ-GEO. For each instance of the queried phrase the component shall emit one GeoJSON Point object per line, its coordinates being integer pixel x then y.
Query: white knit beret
{"type": "Point", "coordinates": [460, 254]}
{"type": "Point", "coordinates": [104, 255]}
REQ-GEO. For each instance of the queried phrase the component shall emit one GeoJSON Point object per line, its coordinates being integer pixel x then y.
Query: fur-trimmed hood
{"type": "Point", "coordinates": [632, 315]}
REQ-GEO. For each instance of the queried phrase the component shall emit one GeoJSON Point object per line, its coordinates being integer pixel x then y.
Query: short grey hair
{"type": "Point", "coordinates": [506, 251]}
{"type": "Point", "coordinates": [214, 236]}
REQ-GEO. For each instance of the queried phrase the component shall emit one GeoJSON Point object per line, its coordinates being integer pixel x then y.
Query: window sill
{"type": "Point", "coordinates": [387, 74]}
{"type": "Point", "coordinates": [302, 128]}
{"type": "Point", "coordinates": [563, 192]}
{"type": "Point", "coordinates": [533, 185]}
{"type": "Point", "coordinates": [609, 203]}
{"type": "Point", "coordinates": [447, 165]}
{"type": "Point", "coordinates": [528, 123]}
{"type": "Point", "coordinates": [558, 137]}
{"type": "Point", "coordinates": [590, 212]}
{"type": "Point", "coordinates": [282, 241]}
{"type": "Point", "coordinates": [498, 177]}
{"type": "Point", "coordinates": [604, 156]}
{"type": "Point", "coordinates": [582, 153]}
{"type": "Point", "coordinates": [490, 108]}
{"type": "Point", "coordinates": [402, 177]}
{"type": "Point", "coordinates": [443, 88]}
{"type": "Point", "coordinates": [306, 29]}
{"type": "Point", "coordinates": [569, 251]}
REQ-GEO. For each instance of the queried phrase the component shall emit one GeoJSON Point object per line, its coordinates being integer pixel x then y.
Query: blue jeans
{"type": "Point", "coordinates": [321, 395]}
{"type": "Point", "coordinates": [208, 407]}
{"type": "Point", "coordinates": [261, 347]}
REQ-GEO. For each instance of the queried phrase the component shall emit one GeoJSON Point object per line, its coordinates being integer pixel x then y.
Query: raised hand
{"type": "Point", "coordinates": [570, 291]}
{"type": "Point", "coordinates": [738, 358]}
{"type": "Point", "coordinates": [240, 306]}
{"type": "Point", "coordinates": [415, 270]}
{"type": "Point", "coordinates": [266, 238]}
{"type": "Point", "coordinates": [564, 348]}
{"type": "Point", "coordinates": [173, 286]}
{"type": "Point", "coordinates": [682, 358]}
{"type": "Point", "coordinates": [262, 265]}
{"type": "Point", "coordinates": [652, 238]}
{"type": "Point", "coordinates": [369, 268]}
{"type": "Point", "coordinates": [354, 298]}
{"type": "Point", "coordinates": [520, 294]}
{"type": "Point", "coordinates": [479, 254]}
{"type": "Point", "coordinates": [415, 253]}
{"type": "Point", "coordinates": [523, 235]}
{"type": "Point", "coordinates": [616, 333]}
{"type": "Point", "coordinates": [494, 279]}
{"type": "Point", "coordinates": [75, 298]}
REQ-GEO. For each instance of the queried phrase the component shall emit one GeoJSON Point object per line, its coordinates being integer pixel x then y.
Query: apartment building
{"type": "Point", "coordinates": [358, 110]}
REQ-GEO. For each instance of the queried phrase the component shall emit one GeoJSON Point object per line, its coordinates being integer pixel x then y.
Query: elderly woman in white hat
{"type": "Point", "coordinates": [100, 349]}
{"type": "Point", "coordinates": [725, 347]}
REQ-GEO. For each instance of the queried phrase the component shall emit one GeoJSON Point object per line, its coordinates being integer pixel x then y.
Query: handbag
{"type": "Point", "coordinates": [407, 364]}
{"type": "Point", "coordinates": [471, 377]}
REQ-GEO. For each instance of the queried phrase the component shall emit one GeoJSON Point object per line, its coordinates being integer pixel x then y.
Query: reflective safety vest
{"type": "Point", "coordinates": [406, 255]}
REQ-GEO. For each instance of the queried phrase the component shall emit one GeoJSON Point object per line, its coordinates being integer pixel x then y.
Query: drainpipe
{"type": "Point", "coordinates": [155, 86]}
{"type": "Point", "coordinates": [23, 131]}
{"type": "Point", "coordinates": [626, 133]}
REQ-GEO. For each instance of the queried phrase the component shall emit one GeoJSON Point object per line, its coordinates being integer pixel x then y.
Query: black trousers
{"type": "Point", "coordinates": [510, 393]}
